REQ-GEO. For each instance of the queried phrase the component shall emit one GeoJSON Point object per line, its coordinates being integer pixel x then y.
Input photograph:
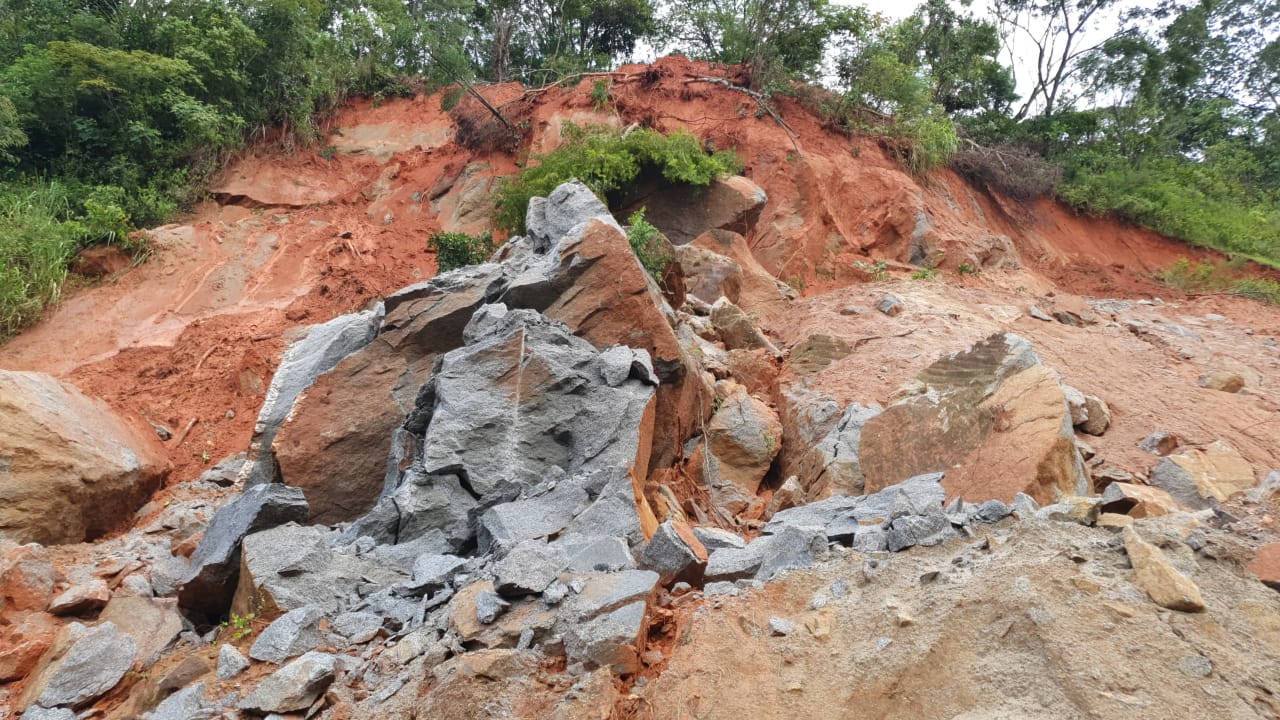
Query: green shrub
{"type": "Point", "coordinates": [600, 96]}
{"type": "Point", "coordinates": [455, 250]}
{"type": "Point", "coordinates": [608, 161]}
{"type": "Point", "coordinates": [1222, 277]}
{"type": "Point", "coordinates": [647, 244]}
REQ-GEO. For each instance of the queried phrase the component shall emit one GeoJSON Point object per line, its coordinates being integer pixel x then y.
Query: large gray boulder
{"type": "Point", "coordinates": [290, 635]}
{"type": "Point", "coordinates": [215, 565]}
{"type": "Point", "coordinates": [522, 401]}
{"type": "Point", "coordinates": [324, 346]}
{"type": "Point", "coordinates": [89, 662]}
{"type": "Point", "coordinates": [294, 686]}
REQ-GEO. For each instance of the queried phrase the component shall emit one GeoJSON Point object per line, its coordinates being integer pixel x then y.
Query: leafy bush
{"type": "Point", "coordinates": [647, 244]}
{"type": "Point", "coordinates": [455, 250]}
{"type": "Point", "coordinates": [608, 161]}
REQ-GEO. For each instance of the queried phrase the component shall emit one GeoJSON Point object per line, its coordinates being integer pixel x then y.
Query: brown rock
{"type": "Point", "coordinates": [709, 275]}
{"type": "Point", "coordinates": [759, 292]}
{"type": "Point", "coordinates": [1138, 501]}
{"type": "Point", "coordinates": [744, 437]}
{"type": "Point", "coordinates": [1099, 416]}
{"type": "Point", "coordinates": [1222, 380]}
{"type": "Point", "coordinates": [755, 370]}
{"type": "Point", "coordinates": [994, 419]}
{"type": "Point", "coordinates": [1266, 565]}
{"type": "Point", "coordinates": [1114, 520]}
{"type": "Point", "coordinates": [736, 328]}
{"type": "Point", "coordinates": [815, 353]}
{"type": "Point", "coordinates": [71, 469]}
{"type": "Point", "coordinates": [1198, 476]}
{"type": "Point", "coordinates": [153, 623]}
{"type": "Point", "coordinates": [733, 204]}
{"type": "Point", "coordinates": [23, 642]}
{"type": "Point", "coordinates": [87, 597]}
{"type": "Point", "coordinates": [1158, 578]}
{"type": "Point", "coordinates": [27, 579]}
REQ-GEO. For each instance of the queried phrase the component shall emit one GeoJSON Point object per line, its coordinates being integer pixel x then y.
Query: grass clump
{"type": "Point", "coordinates": [456, 250]}
{"type": "Point", "coordinates": [608, 161]}
{"type": "Point", "coordinates": [37, 241]}
{"type": "Point", "coordinates": [1226, 278]}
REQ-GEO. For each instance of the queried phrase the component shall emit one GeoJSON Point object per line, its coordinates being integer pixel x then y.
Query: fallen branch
{"type": "Point", "coordinates": [576, 76]}
{"type": "Point", "coordinates": [761, 99]}
{"type": "Point", "coordinates": [204, 357]}
{"type": "Point", "coordinates": [864, 340]}
{"type": "Point", "coordinates": [183, 435]}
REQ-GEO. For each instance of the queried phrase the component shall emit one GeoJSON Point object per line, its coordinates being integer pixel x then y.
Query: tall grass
{"type": "Point", "coordinates": [37, 241]}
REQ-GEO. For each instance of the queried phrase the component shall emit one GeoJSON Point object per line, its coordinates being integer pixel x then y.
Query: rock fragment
{"type": "Point", "coordinates": [1158, 578]}
{"type": "Point", "coordinates": [294, 686]}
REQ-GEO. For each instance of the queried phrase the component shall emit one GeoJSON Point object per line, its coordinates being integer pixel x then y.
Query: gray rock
{"type": "Point", "coordinates": [231, 662]}
{"type": "Point", "coordinates": [357, 627]}
{"type": "Point", "coordinates": [226, 471]}
{"type": "Point", "coordinates": [601, 593]}
{"type": "Point", "coordinates": [505, 525]}
{"type": "Point", "coordinates": [613, 513]}
{"type": "Point", "coordinates": [912, 530]}
{"type": "Point", "coordinates": [736, 329]}
{"type": "Point", "coordinates": [599, 554]}
{"type": "Point", "coordinates": [1039, 314]}
{"type": "Point", "coordinates": [185, 704]}
{"type": "Point", "coordinates": [489, 606]}
{"type": "Point", "coordinates": [729, 564]}
{"type": "Point", "coordinates": [292, 634]}
{"type": "Point", "coordinates": [992, 511]}
{"type": "Point", "coordinates": [1180, 484]}
{"type": "Point", "coordinates": [889, 305]}
{"type": "Point", "coordinates": [96, 661]}
{"type": "Point", "coordinates": [82, 598]}
{"type": "Point", "coordinates": [872, 538]}
{"type": "Point", "coordinates": [723, 587]}
{"type": "Point", "coordinates": [1025, 506]}
{"type": "Point", "coordinates": [529, 568]}
{"type": "Point", "coordinates": [215, 564]}
{"type": "Point", "coordinates": [1160, 442]}
{"type": "Point", "coordinates": [323, 348]}
{"type": "Point", "coordinates": [1269, 487]}
{"type": "Point", "coordinates": [1196, 666]}
{"type": "Point", "coordinates": [433, 572]}
{"type": "Point", "coordinates": [423, 505]}
{"type": "Point", "coordinates": [713, 538]}
{"type": "Point", "coordinates": [674, 555]}
{"type": "Point", "coordinates": [791, 548]}
{"type": "Point", "coordinates": [781, 627]}
{"type": "Point", "coordinates": [608, 640]}
{"type": "Point", "coordinates": [293, 566]}
{"type": "Point", "coordinates": [294, 686]}
{"type": "Point", "coordinates": [35, 712]}
{"type": "Point", "coordinates": [484, 418]}
{"type": "Point", "coordinates": [568, 206]}
{"type": "Point", "coordinates": [822, 443]}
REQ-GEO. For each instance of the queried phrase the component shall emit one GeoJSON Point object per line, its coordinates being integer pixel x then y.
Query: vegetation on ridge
{"type": "Point", "coordinates": [114, 115]}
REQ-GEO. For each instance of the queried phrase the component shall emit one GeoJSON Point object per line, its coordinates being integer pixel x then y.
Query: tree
{"type": "Point", "coordinates": [960, 54]}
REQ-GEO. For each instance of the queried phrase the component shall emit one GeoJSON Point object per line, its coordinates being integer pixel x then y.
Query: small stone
{"type": "Point", "coordinates": [675, 553]}
{"type": "Point", "coordinates": [292, 634]}
{"type": "Point", "coordinates": [1160, 442]}
{"type": "Point", "coordinates": [529, 568]}
{"type": "Point", "coordinates": [295, 686]}
{"type": "Point", "coordinates": [889, 305]}
{"type": "Point", "coordinates": [1266, 565]}
{"type": "Point", "coordinates": [79, 599]}
{"type": "Point", "coordinates": [1113, 520]}
{"type": "Point", "coordinates": [1083, 510]}
{"type": "Point", "coordinates": [911, 530]}
{"type": "Point", "coordinates": [489, 606]}
{"type": "Point", "coordinates": [1158, 578]}
{"type": "Point", "coordinates": [231, 662]}
{"type": "Point", "coordinates": [713, 589]}
{"type": "Point", "coordinates": [781, 627]}
{"type": "Point", "coordinates": [1039, 314]}
{"type": "Point", "coordinates": [992, 511]}
{"type": "Point", "coordinates": [35, 712]}
{"type": "Point", "coordinates": [357, 627]}
{"type": "Point", "coordinates": [1099, 415]}
{"type": "Point", "coordinates": [432, 572]}
{"type": "Point", "coordinates": [1196, 666]}
{"type": "Point", "coordinates": [1025, 506]}
{"type": "Point", "coordinates": [1222, 380]}
{"type": "Point", "coordinates": [714, 538]}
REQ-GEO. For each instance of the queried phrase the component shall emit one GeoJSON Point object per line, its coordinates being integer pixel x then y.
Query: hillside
{"type": "Point", "coordinates": [927, 325]}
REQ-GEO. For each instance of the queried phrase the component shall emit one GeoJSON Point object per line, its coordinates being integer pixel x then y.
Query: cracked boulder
{"type": "Point", "coordinates": [992, 416]}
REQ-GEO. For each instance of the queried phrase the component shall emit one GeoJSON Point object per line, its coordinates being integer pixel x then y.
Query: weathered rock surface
{"type": "Point", "coordinates": [1266, 565]}
{"type": "Point", "coordinates": [992, 416]}
{"type": "Point", "coordinates": [1199, 477]}
{"type": "Point", "coordinates": [1137, 500]}
{"type": "Point", "coordinates": [1158, 578]}
{"type": "Point", "coordinates": [757, 291]}
{"type": "Point", "coordinates": [733, 204]}
{"type": "Point", "coordinates": [324, 346]}
{"type": "Point", "coordinates": [71, 468]}
{"type": "Point", "coordinates": [84, 663]}
{"type": "Point", "coordinates": [675, 553]}
{"type": "Point", "coordinates": [822, 443]}
{"type": "Point", "coordinates": [290, 635]}
{"type": "Point", "coordinates": [294, 686]}
{"type": "Point", "coordinates": [27, 578]}
{"type": "Point", "coordinates": [215, 565]}
{"type": "Point", "coordinates": [743, 438]}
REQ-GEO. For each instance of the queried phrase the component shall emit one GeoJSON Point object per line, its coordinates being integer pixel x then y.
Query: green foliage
{"type": "Point", "coordinates": [878, 271]}
{"type": "Point", "coordinates": [236, 627]}
{"type": "Point", "coordinates": [647, 244]}
{"type": "Point", "coordinates": [456, 250]}
{"type": "Point", "coordinates": [38, 238]}
{"type": "Point", "coordinates": [966, 269]}
{"type": "Point", "coordinates": [600, 96]}
{"type": "Point", "coordinates": [925, 273]}
{"type": "Point", "coordinates": [1224, 277]}
{"type": "Point", "coordinates": [607, 161]}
